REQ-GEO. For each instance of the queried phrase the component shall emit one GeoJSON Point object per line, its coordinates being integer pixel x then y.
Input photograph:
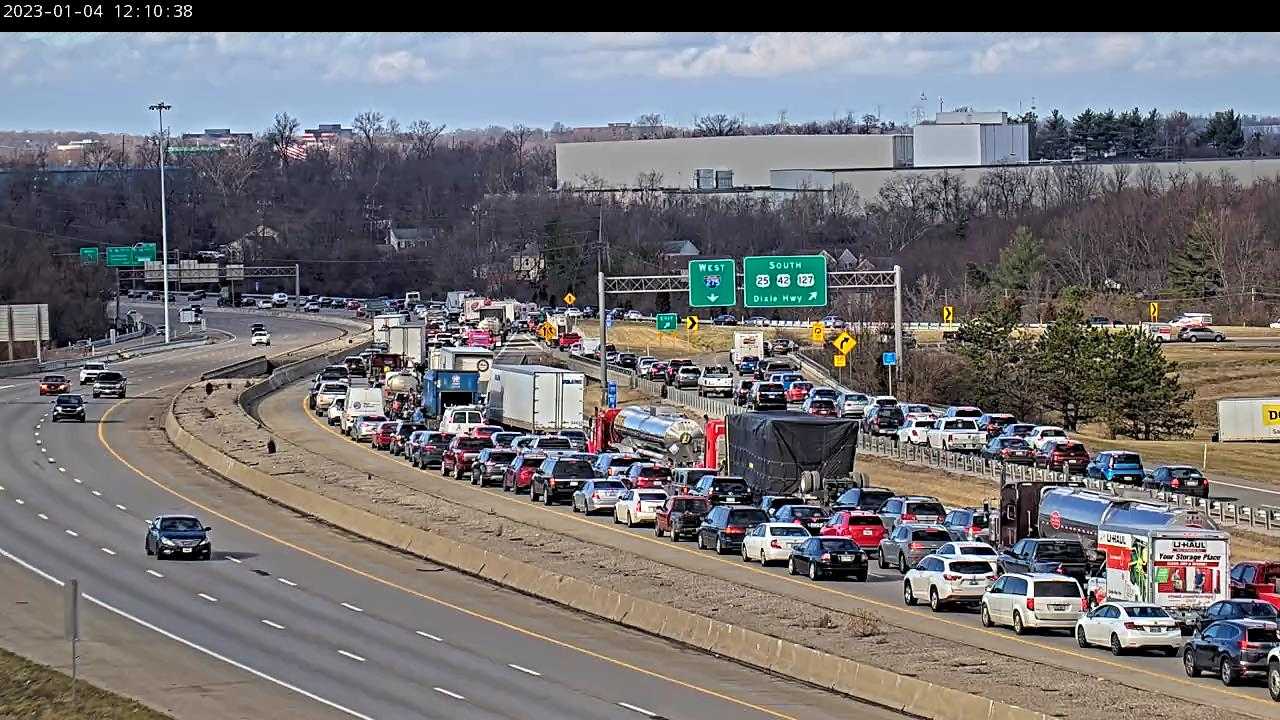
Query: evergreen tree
{"type": "Point", "coordinates": [1190, 273]}
{"type": "Point", "coordinates": [1021, 261]}
{"type": "Point", "coordinates": [1063, 362]}
{"type": "Point", "coordinates": [1223, 132]}
{"type": "Point", "coordinates": [1053, 141]}
{"type": "Point", "coordinates": [1135, 389]}
{"type": "Point", "coordinates": [999, 373]}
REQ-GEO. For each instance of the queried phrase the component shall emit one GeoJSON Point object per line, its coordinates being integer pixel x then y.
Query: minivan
{"type": "Point", "coordinates": [1026, 601]}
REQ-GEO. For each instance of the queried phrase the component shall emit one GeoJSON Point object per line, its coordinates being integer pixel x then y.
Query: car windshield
{"type": "Point", "coordinates": [622, 461]}
{"type": "Point", "coordinates": [930, 535]}
{"type": "Point", "coordinates": [573, 469]}
{"type": "Point", "coordinates": [728, 485]}
{"type": "Point", "coordinates": [109, 376]}
{"type": "Point", "coordinates": [652, 496]}
{"type": "Point", "coordinates": [971, 567]}
{"type": "Point", "coordinates": [837, 544]}
{"type": "Point", "coordinates": [747, 516]}
{"type": "Point", "coordinates": [554, 442]}
{"type": "Point", "coordinates": [181, 524]}
{"type": "Point", "coordinates": [54, 379]}
{"type": "Point", "coordinates": [868, 520]}
{"type": "Point", "coordinates": [978, 550]}
{"type": "Point", "coordinates": [689, 505]}
{"type": "Point", "coordinates": [716, 371]}
{"type": "Point", "coordinates": [822, 404]}
{"type": "Point", "coordinates": [1262, 635]}
{"type": "Point", "coordinates": [980, 520]}
{"type": "Point", "coordinates": [1257, 609]}
{"type": "Point", "coordinates": [789, 531]}
{"type": "Point", "coordinates": [387, 427]}
{"type": "Point", "coordinates": [1014, 443]}
{"type": "Point", "coordinates": [70, 400]}
{"type": "Point", "coordinates": [926, 508]}
{"type": "Point", "coordinates": [654, 471]}
{"type": "Point", "coordinates": [1056, 589]}
{"type": "Point", "coordinates": [769, 387]}
{"type": "Point", "coordinates": [1146, 611]}
{"type": "Point", "coordinates": [866, 498]}
{"type": "Point", "coordinates": [532, 461]}
{"type": "Point", "coordinates": [801, 386]}
{"type": "Point", "coordinates": [1184, 472]}
{"type": "Point", "coordinates": [334, 388]}
{"type": "Point", "coordinates": [1060, 551]}
{"type": "Point", "coordinates": [609, 485]}
{"type": "Point", "coordinates": [959, 425]}
{"type": "Point", "coordinates": [470, 443]}
{"type": "Point", "coordinates": [805, 511]}
{"type": "Point", "coordinates": [1120, 458]}
{"type": "Point", "coordinates": [501, 456]}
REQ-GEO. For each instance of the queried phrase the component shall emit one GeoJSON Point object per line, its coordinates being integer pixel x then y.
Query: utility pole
{"type": "Point", "coordinates": [604, 323]}
{"type": "Point", "coordinates": [297, 282]}
{"type": "Point", "coordinates": [160, 107]}
{"type": "Point", "coordinates": [897, 317]}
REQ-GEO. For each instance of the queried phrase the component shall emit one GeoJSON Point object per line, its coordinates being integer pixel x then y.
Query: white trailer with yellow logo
{"type": "Point", "coordinates": [1248, 419]}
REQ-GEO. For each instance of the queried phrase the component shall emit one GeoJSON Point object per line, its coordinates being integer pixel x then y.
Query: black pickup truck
{"type": "Point", "coordinates": [1043, 555]}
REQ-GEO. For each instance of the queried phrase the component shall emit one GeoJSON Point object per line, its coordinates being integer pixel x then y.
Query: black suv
{"type": "Point", "coordinates": [863, 498]}
{"type": "Point", "coordinates": [1237, 609]}
{"type": "Point", "coordinates": [558, 478]}
{"type": "Point", "coordinates": [767, 396]}
{"type": "Point", "coordinates": [882, 420]}
{"type": "Point", "coordinates": [489, 466]}
{"type": "Point", "coordinates": [1234, 649]}
{"type": "Point", "coordinates": [110, 382]}
{"type": "Point", "coordinates": [68, 407]}
{"type": "Point", "coordinates": [719, 489]}
{"type": "Point", "coordinates": [178, 536]}
{"type": "Point", "coordinates": [724, 527]}
{"type": "Point", "coordinates": [1044, 555]}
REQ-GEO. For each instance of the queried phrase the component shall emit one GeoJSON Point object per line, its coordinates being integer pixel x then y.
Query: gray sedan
{"type": "Point", "coordinates": [908, 543]}
{"type": "Point", "coordinates": [598, 494]}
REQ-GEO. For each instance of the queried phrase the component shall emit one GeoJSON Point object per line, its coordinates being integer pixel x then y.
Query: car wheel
{"type": "Point", "coordinates": [630, 523]}
{"type": "Point", "coordinates": [902, 563]}
{"type": "Point", "coordinates": [1018, 627]}
{"type": "Point", "coordinates": [1081, 640]}
{"type": "Point", "coordinates": [880, 560]}
{"type": "Point", "coordinates": [908, 595]}
{"type": "Point", "coordinates": [1116, 648]}
{"type": "Point", "coordinates": [813, 571]}
{"type": "Point", "coordinates": [1189, 662]}
{"type": "Point", "coordinates": [745, 556]}
{"type": "Point", "coordinates": [616, 521]}
{"type": "Point", "coordinates": [147, 547]}
{"type": "Point", "coordinates": [791, 566]}
{"type": "Point", "coordinates": [985, 616]}
{"type": "Point", "coordinates": [1226, 672]}
{"type": "Point", "coordinates": [763, 562]}
{"type": "Point", "coordinates": [1273, 680]}
{"type": "Point", "coordinates": [546, 498]}
{"type": "Point", "coordinates": [702, 544]}
{"type": "Point", "coordinates": [719, 545]}
{"type": "Point", "coordinates": [1193, 339]}
{"type": "Point", "coordinates": [935, 602]}
{"type": "Point", "coordinates": [1218, 338]}
{"type": "Point", "coordinates": [444, 470]}
{"type": "Point", "coordinates": [657, 530]}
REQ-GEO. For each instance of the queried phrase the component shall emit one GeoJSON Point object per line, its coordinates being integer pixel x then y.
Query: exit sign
{"type": "Point", "coordinates": [784, 281]}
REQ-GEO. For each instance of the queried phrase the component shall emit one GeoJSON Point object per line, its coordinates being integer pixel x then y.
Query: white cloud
{"type": "Point", "coordinates": [399, 66]}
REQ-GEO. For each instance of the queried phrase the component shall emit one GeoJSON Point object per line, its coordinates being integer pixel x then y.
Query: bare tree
{"type": "Point", "coordinates": [370, 128]}
{"type": "Point", "coordinates": [422, 138]}
{"type": "Point", "coordinates": [229, 171]}
{"type": "Point", "coordinates": [650, 120]}
{"type": "Point", "coordinates": [282, 135]}
{"type": "Point", "coordinates": [717, 125]}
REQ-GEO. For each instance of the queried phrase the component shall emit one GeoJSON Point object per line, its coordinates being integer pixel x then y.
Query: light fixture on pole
{"type": "Point", "coordinates": [160, 107]}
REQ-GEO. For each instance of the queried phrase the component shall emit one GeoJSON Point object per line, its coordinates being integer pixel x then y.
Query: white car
{"type": "Point", "coordinates": [715, 380]}
{"type": "Point", "coordinates": [1275, 325]}
{"type": "Point", "coordinates": [89, 372]}
{"type": "Point", "coordinates": [947, 580]}
{"type": "Point", "coordinates": [639, 506]}
{"type": "Point", "coordinates": [265, 304]}
{"type": "Point", "coordinates": [261, 337]}
{"type": "Point", "coordinates": [1129, 626]}
{"type": "Point", "coordinates": [573, 313]}
{"type": "Point", "coordinates": [915, 431]}
{"type": "Point", "coordinates": [311, 307]}
{"type": "Point", "coordinates": [956, 434]}
{"type": "Point", "coordinates": [280, 299]}
{"type": "Point", "coordinates": [1040, 433]}
{"type": "Point", "coordinates": [633, 315]}
{"type": "Point", "coordinates": [974, 549]}
{"type": "Point", "coordinates": [334, 414]}
{"type": "Point", "coordinates": [773, 541]}
{"type": "Point", "coordinates": [328, 395]}
{"type": "Point", "coordinates": [1025, 601]}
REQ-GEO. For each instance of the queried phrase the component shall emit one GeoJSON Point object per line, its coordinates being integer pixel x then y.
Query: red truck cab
{"type": "Point", "coordinates": [1256, 579]}
{"type": "Point", "coordinates": [680, 516]}
{"type": "Point", "coordinates": [461, 453]}
{"type": "Point", "coordinates": [566, 341]}
{"type": "Point", "coordinates": [864, 528]}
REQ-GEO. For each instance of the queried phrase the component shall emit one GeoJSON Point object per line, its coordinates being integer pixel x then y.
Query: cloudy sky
{"type": "Point", "coordinates": [103, 82]}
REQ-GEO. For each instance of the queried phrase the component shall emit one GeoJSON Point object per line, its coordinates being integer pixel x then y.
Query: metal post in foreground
{"type": "Point", "coordinates": [297, 283]}
{"type": "Point", "coordinates": [160, 107]}
{"type": "Point", "coordinates": [71, 627]}
{"type": "Point", "coordinates": [604, 339]}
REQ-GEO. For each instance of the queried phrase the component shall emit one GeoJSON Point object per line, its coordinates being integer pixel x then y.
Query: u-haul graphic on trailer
{"type": "Point", "coordinates": [1182, 571]}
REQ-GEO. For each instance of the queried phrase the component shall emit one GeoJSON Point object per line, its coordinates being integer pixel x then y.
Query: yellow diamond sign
{"type": "Point", "coordinates": [570, 298]}
{"type": "Point", "coordinates": [845, 343]}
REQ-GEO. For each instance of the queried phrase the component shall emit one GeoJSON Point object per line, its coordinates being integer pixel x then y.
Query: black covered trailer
{"type": "Point", "coordinates": [771, 450]}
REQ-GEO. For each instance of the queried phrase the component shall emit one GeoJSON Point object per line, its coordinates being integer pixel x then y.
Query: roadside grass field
{"type": "Point", "coordinates": [35, 692]}
{"type": "Point", "coordinates": [644, 337]}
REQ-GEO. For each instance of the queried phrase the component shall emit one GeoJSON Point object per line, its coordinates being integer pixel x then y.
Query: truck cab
{"type": "Point", "coordinates": [1256, 579]}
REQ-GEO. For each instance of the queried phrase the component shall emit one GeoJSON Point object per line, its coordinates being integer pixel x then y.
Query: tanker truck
{"type": "Point", "coordinates": [659, 433]}
{"type": "Point", "coordinates": [1078, 514]}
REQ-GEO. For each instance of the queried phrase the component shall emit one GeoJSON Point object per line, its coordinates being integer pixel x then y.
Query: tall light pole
{"type": "Point", "coordinates": [160, 107]}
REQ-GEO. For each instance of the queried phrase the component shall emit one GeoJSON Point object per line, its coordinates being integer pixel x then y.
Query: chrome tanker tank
{"type": "Point", "coordinates": [401, 383]}
{"type": "Point", "coordinates": [660, 433]}
{"type": "Point", "coordinates": [1076, 513]}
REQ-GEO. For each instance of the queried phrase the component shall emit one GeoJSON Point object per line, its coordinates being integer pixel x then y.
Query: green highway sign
{"type": "Point", "coordinates": [667, 321]}
{"type": "Point", "coordinates": [784, 281]}
{"type": "Point", "coordinates": [129, 255]}
{"type": "Point", "coordinates": [88, 256]}
{"type": "Point", "coordinates": [712, 283]}
{"type": "Point", "coordinates": [145, 252]}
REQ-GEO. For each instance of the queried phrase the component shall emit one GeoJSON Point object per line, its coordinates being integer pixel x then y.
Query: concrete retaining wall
{"type": "Point", "coordinates": [252, 367]}
{"type": "Point", "coordinates": [867, 683]}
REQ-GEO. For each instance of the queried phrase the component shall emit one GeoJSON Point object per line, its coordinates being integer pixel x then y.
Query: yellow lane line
{"type": "Point", "coordinates": [823, 588]}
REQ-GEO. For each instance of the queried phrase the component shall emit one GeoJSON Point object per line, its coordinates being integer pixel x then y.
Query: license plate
{"type": "Point", "coordinates": [1192, 482]}
{"type": "Point", "coordinates": [731, 499]}
{"type": "Point", "coordinates": [573, 484]}
{"type": "Point", "coordinates": [186, 550]}
{"type": "Point", "coordinates": [972, 582]}
{"type": "Point", "coordinates": [1058, 608]}
{"type": "Point", "coordinates": [868, 533]}
{"type": "Point", "coordinates": [846, 558]}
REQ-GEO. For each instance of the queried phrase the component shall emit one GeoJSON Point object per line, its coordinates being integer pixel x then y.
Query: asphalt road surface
{"type": "Point", "coordinates": [310, 622]}
{"type": "Point", "coordinates": [285, 413]}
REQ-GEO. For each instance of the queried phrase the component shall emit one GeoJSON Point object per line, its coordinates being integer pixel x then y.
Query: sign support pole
{"type": "Point", "coordinates": [897, 319]}
{"type": "Point", "coordinates": [117, 319]}
{"type": "Point", "coordinates": [891, 380]}
{"type": "Point", "coordinates": [604, 338]}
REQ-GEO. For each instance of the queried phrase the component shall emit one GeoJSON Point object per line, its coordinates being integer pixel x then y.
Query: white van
{"type": "Point", "coordinates": [361, 401]}
{"type": "Point", "coordinates": [1190, 319]}
{"type": "Point", "coordinates": [280, 299]}
{"type": "Point", "coordinates": [462, 420]}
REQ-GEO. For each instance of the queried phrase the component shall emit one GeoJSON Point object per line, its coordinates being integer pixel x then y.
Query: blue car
{"type": "Point", "coordinates": [1117, 466]}
{"type": "Point", "coordinates": [748, 365]}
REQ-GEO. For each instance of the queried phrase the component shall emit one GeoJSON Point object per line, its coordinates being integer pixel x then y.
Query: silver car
{"type": "Point", "coordinates": [598, 494]}
{"type": "Point", "coordinates": [852, 405]}
{"type": "Point", "coordinates": [909, 543]}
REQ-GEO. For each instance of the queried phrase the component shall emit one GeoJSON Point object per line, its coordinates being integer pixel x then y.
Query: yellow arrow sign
{"type": "Point", "coordinates": [690, 322]}
{"type": "Point", "coordinates": [817, 332]}
{"type": "Point", "coordinates": [570, 298]}
{"type": "Point", "coordinates": [837, 360]}
{"type": "Point", "coordinates": [948, 314]}
{"type": "Point", "coordinates": [845, 343]}
{"type": "Point", "coordinates": [1153, 310]}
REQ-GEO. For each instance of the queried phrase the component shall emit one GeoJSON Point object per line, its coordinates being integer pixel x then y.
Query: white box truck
{"type": "Point", "coordinates": [1248, 419]}
{"type": "Point", "coordinates": [465, 358]}
{"type": "Point", "coordinates": [407, 340]}
{"type": "Point", "coordinates": [536, 398]}
{"type": "Point", "coordinates": [1183, 571]}
{"type": "Point", "coordinates": [746, 344]}
{"type": "Point", "coordinates": [361, 401]}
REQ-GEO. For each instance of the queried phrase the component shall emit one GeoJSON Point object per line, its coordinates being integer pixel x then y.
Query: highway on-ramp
{"type": "Point", "coordinates": [310, 622]}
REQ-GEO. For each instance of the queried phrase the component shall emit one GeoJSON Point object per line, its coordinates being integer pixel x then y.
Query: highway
{"type": "Point", "coordinates": [308, 621]}
{"type": "Point", "coordinates": [284, 412]}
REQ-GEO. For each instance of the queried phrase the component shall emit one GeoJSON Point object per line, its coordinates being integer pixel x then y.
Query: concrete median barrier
{"type": "Point", "coordinates": [858, 680]}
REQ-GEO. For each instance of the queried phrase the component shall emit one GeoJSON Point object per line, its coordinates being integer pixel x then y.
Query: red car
{"type": "Point", "coordinates": [647, 475]}
{"type": "Point", "coordinates": [566, 341]}
{"type": "Point", "coordinates": [519, 474]}
{"type": "Point", "coordinates": [825, 408]}
{"type": "Point", "coordinates": [798, 391]}
{"type": "Point", "coordinates": [461, 453]}
{"type": "Point", "coordinates": [485, 432]}
{"type": "Point", "coordinates": [1053, 455]}
{"type": "Point", "coordinates": [681, 516]}
{"type": "Point", "coordinates": [864, 528]}
{"type": "Point", "coordinates": [657, 372]}
{"type": "Point", "coordinates": [54, 385]}
{"type": "Point", "coordinates": [383, 436]}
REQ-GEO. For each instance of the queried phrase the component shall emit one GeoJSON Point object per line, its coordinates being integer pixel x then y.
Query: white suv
{"type": "Point", "coordinates": [715, 380]}
{"type": "Point", "coordinates": [90, 371]}
{"type": "Point", "coordinates": [260, 337]}
{"type": "Point", "coordinates": [945, 580]}
{"type": "Point", "coordinates": [1033, 600]}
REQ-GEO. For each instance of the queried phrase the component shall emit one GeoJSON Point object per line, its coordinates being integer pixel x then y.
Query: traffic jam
{"type": "Point", "coordinates": [774, 483]}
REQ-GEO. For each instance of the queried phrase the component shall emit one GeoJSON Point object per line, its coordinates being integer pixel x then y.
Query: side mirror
{"type": "Point", "coordinates": [208, 529]}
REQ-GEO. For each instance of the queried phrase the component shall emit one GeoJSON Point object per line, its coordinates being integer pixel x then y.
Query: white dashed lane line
{"type": "Point", "coordinates": [153, 573]}
{"type": "Point", "coordinates": [277, 626]}
{"type": "Point", "coordinates": [108, 551]}
{"type": "Point", "coordinates": [42, 516]}
{"type": "Point", "coordinates": [637, 708]}
{"type": "Point", "coordinates": [234, 559]}
{"type": "Point", "coordinates": [351, 655]}
{"type": "Point", "coordinates": [96, 493]}
{"type": "Point", "coordinates": [352, 608]}
{"type": "Point", "coordinates": [72, 533]}
{"type": "Point", "coordinates": [450, 693]}
{"type": "Point", "coordinates": [121, 507]}
{"type": "Point", "coordinates": [288, 582]}
{"type": "Point", "coordinates": [20, 501]}
{"type": "Point", "coordinates": [429, 636]}
{"type": "Point", "coordinates": [524, 670]}
{"type": "Point", "coordinates": [210, 598]}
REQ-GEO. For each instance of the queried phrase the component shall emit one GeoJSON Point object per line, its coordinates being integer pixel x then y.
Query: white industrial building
{"type": "Point", "coordinates": [969, 139]}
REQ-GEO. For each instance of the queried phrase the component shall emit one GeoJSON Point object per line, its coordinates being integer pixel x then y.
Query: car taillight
{"type": "Point", "coordinates": [1062, 569]}
{"type": "Point", "coordinates": [908, 517]}
{"type": "Point", "coordinates": [1031, 603]}
{"type": "Point", "coordinates": [595, 495]}
{"type": "Point", "coordinates": [734, 529]}
{"type": "Point", "coordinates": [1176, 482]}
{"type": "Point", "coordinates": [949, 576]}
{"type": "Point", "coordinates": [1084, 607]}
{"type": "Point", "coordinates": [975, 530]}
{"type": "Point", "coordinates": [826, 557]}
{"type": "Point", "coordinates": [1246, 645]}
{"type": "Point", "coordinates": [552, 481]}
{"type": "Point", "coordinates": [1130, 626]}
{"type": "Point", "coordinates": [774, 544]}
{"type": "Point", "coordinates": [1005, 452]}
{"type": "Point", "coordinates": [916, 546]}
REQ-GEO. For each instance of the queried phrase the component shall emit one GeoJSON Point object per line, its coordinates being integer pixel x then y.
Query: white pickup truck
{"type": "Point", "coordinates": [959, 434]}
{"type": "Point", "coordinates": [715, 380]}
